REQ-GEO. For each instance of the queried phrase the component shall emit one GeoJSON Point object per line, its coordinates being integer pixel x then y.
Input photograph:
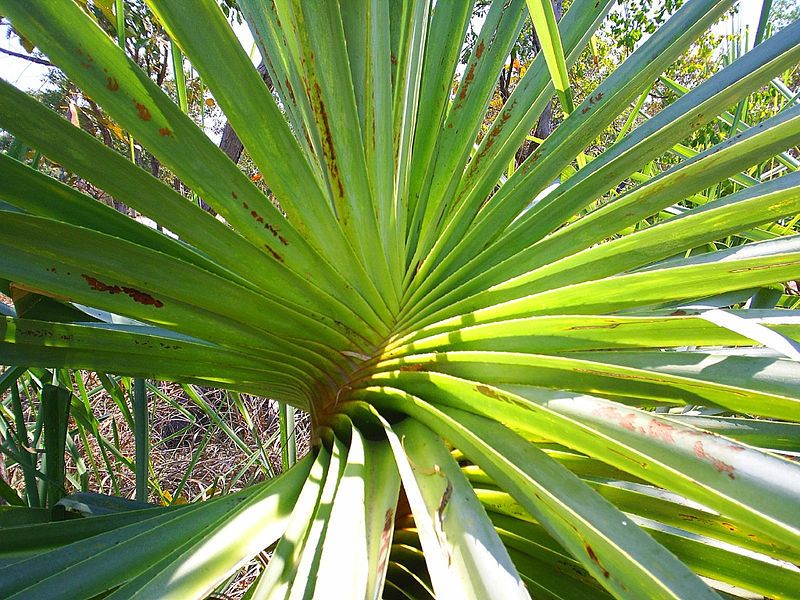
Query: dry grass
{"type": "Point", "coordinates": [178, 427]}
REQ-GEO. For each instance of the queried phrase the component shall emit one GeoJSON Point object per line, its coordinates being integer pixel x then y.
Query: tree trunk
{"type": "Point", "coordinates": [545, 125]}
{"type": "Point", "coordinates": [230, 143]}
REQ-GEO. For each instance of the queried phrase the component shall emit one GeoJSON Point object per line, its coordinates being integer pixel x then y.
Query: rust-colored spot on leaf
{"type": "Point", "coordinates": [87, 61]}
{"type": "Point", "coordinates": [764, 267]}
{"type": "Point", "coordinates": [489, 392]}
{"type": "Point", "coordinates": [283, 240]}
{"type": "Point", "coordinates": [290, 90]}
{"type": "Point", "coordinates": [328, 150]}
{"type": "Point", "coordinates": [99, 286]}
{"type": "Point", "coordinates": [144, 113]}
{"type": "Point", "coordinates": [416, 367]}
{"type": "Point", "coordinates": [479, 50]}
{"type": "Point", "coordinates": [618, 375]}
{"type": "Point", "coordinates": [661, 431]}
{"type": "Point", "coordinates": [142, 297]}
{"type": "Point", "coordinates": [593, 556]}
{"type": "Point", "coordinates": [165, 132]}
{"type": "Point", "coordinates": [687, 517]}
{"type": "Point", "coordinates": [719, 465]}
{"type": "Point", "coordinates": [626, 420]}
{"type": "Point", "coordinates": [274, 254]}
{"type": "Point", "coordinates": [234, 196]}
{"type": "Point", "coordinates": [467, 81]}
{"type": "Point", "coordinates": [135, 295]}
{"type": "Point", "coordinates": [386, 537]}
{"type": "Point", "coordinates": [642, 464]}
{"type": "Point", "coordinates": [244, 204]}
{"type": "Point", "coordinates": [112, 83]}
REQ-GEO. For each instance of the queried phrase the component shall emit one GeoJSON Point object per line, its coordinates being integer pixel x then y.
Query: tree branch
{"type": "Point", "coordinates": [34, 59]}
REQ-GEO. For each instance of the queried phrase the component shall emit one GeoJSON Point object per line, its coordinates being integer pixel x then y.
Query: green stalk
{"type": "Point", "coordinates": [762, 29]}
{"type": "Point", "coordinates": [195, 457]}
{"type": "Point", "coordinates": [28, 465]}
{"type": "Point", "coordinates": [763, 22]}
{"type": "Point", "coordinates": [119, 12]}
{"type": "Point", "coordinates": [142, 437]}
{"type": "Point", "coordinates": [55, 406]}
{"type": "Point", "coordinates": [180, 76]}
{"type": "Point", "coordinates": [288, 437]}
{"type": "Point", "coordinates": [632, 117]}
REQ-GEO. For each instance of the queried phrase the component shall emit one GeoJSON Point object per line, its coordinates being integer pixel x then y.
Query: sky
{"type": "Point", "coordinates": [29, 76]}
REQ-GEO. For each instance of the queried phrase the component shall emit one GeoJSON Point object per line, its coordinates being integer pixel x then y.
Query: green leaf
{"type": "Point", "coordinates": [544, 22]}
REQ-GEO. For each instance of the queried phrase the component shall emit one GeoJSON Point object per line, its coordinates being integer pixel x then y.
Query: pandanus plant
{"type": "Point", "coordinates": [517, 389]}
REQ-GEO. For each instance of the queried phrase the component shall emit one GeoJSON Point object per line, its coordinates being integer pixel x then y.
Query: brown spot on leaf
{"type": "Point", "coordinates": [144, 113]}
{"type": "Point", "coordinates": [593, 556]}
{"type": "Point", "coordinates": [719, 465]}
{"type": "Point", "coordinates": [687, 517]}
{"type": "Point", "coordinates": [142, 297]}
{"type": "Point", "coordinates": [661, 431]}
{"type": "Point", "coordinates": [165, 132]}
{"type": "Point", "coordinates": [618, 375]}
{"type": "Point", "coordinates": [763, 267]}
{"type": "Point", "coordinates": [274, 254]}
{"type": "Point", "coordinates": [467, 81]}
{"type": "Point", "coordinates": [479, 50]}
{"type": "Point", "coordinates": [627, 457]}
{"type": "Point", "coordinates": [112, 84]}
{"type": "Point", "coordinates": [489, 392]}
{"type": "Point", "coordinates": [99, 286]}
{"type": "Point", "coordinates": [386, 536]}
{"type": "Point", "coordinates": [290, 90]}
{"type": "Point", "coordinates": [328, 150]}
{"type": "Point", "coordinates": [234, 196]}
{"type": "Point", "coordinates": [626, 420]}
{"type": "Point", "coordinates": [135, 295]}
